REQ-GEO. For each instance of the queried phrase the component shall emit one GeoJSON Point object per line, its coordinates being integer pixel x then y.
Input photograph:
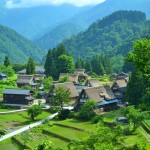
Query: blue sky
{"type": "Point", "coordinates": [32, 3]}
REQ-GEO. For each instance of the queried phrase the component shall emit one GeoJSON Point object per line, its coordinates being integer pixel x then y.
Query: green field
{"type": "Point", "coordinates": [66, 132]}
{"type": "Point", "coordinates": [8, 145]}
{"type": "Point", "coordinates": [14, 120]}
{"type": "Point", "coordinates": [147, 122]}
{"type": "Point", "coordinates": [85, 125]}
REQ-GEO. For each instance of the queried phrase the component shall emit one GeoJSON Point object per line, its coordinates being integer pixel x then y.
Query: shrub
{"type": "Point", "coordinates": [54, 109]}
{"type": "Point", "coordinates": [64, 114]}
{"type": "Point", "coordinates": [96, 119]}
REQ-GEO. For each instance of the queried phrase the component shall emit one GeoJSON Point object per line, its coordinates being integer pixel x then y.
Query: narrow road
{"type": "Point", "coordinates": [26, 127]}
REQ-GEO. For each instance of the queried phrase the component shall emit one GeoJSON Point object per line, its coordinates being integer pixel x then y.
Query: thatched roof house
{"type": "Point", "coordinates": [93, 82]}
{"type": "Point", "coordinates": [39, 77]}
{"type": "Point", "coordinates": [38, 70]}
{"type": "Point", "coordinates": [119, 88]}
{"type": "Point", "coordinates": [99, 94]}
{"type": "Point", "coordinates": [72, 77]}
{"type": "Point", "coordinates": [68, 86]}
{"type": "Point", "coordinates": [23, 80]}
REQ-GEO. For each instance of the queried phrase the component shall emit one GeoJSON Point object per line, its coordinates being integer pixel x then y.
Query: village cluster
{"type": "Point", "coordinates": [106, 97]}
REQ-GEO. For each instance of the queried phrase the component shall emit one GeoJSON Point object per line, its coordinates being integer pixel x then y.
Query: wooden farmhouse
{"type": "Point", "coordinates": [23, 80]}
{"type": "Point", "coordinates": [18, 96]}
{"type": "Point", "coordinates": [38, 70]}
{"type": "Point", "coordinates": [119, 88]}
{"type": "Point", "coordinates": [3, 76]}
{"type": "Point", "coordinates": [103, 95]}
{"type": "Point", "coordinates": [93, 82]}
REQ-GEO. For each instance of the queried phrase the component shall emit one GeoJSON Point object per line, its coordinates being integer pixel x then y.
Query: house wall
{"type": "Point", "coordinates": [15, 99]}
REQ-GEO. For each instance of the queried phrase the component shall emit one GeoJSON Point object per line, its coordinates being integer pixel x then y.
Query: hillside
{"type": "Point", "coordinates": [84, 19]}
{"type": "Point", "coordinates": [18, 48]}
{"type": "Point", "coordinates": [113, 35]}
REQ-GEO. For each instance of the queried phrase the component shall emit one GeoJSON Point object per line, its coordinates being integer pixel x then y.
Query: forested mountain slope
{"type": "Point", "coordinates": [18, 48]}
{"type": "Point", "coordinates": [111, 36]}
{"type": "Point", "coordinates": [81, 21]}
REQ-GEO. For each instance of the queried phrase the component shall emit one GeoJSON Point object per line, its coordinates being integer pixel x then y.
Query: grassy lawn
{"type": "Point", "coordinates": [8, 145]}
{"type": "Point", "coordinates": [5, 110]}
{"type": "Point", "coordinates": [18, 119]}
{"type": "Point", "coordinates": [111, 116]}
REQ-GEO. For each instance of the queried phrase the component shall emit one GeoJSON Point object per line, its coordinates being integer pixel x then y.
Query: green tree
{"type": "Point", "coordinates": [61, 50]}
{"type": "Point", "coordinates": [30, 69]}
{"type": "Point", "coordinates": [101, 138]}
{"type": "Point", "coordinates": [6, 61]}
{"type": "Point", "coordinates": [64, 79]}
{"type": "Point", "coordinates": [79, 63]}
{"type": "Point", "coordinates": [140, 55]}
{"type": "Point", "coordinates": [61, 97]}
{"type": "Point", "coordinates": [47, 82]}
{"type": "Point", "coordinates": [141, 60]}
{"type": "Point", "coordinates": [86, 111]}
{"type": "Point", "coordinates": [9, 71]}
{"type": "Point", "coordinates": [33, 111]}
{"type": "Point", "coordinates": [135, 116]}
{"type": "Point", "coordinates": [134, 92]}
{"type": "Point", "coordinates": [65, 64]}
{"type": "Point", "coordinates": [88, 66]}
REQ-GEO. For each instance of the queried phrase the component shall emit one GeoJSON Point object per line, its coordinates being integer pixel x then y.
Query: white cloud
{"type": "Point", "coordinates": [32, 3]}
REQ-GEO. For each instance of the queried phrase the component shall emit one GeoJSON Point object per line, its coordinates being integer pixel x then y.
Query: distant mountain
{"type": "Point", "coordinates": [113, 35]}
{"type": "Point", "coordinates": [18, 48]}
{"type": "Point", "coordinates": [35, 21]}
{"type": "Point", "coordinates": [81, 21]}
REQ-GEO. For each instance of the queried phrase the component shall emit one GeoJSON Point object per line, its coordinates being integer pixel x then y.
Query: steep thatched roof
{"type": "Point", "coordinates": [38, 70]}
{"type": "Point", "coordinates": [72, 77]}
{"type": "Point", "coordinates": [25, 79]}
{"type": "Point", "coordinates": [68, 86]}
{"type": "Point", "coordinates": [99, 93]}
{"type": "Point", "coordinates": [93, 82]}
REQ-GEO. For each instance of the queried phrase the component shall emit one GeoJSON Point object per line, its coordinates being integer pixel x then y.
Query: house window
{"type": "Point", "coordinates": [83, 100]}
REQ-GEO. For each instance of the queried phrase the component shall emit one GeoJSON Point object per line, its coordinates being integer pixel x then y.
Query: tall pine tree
{"type": "Point", "coordinates": [135, 88]}
{"type": "Point", "coordinates": [30, 69]}
{"type": "Point", "coordinates": [6, 61]}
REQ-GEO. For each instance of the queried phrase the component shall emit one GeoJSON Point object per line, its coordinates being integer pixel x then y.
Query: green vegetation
{"type": "Point", "coordinates": [30, 66]}
{"type": "Point", "coordinates": [58, 61]}
{"type": "Point", "coordinates": [9, 83]}
{"type": "Point", "coordinates": [61, 97]}
{"type": "Point", "coordinates": [18, 119]}
{"type": "Point", "coordinates": [33, 111]}
{"type": "Point", "coordinates": [112, 36]}
{"type": "Point", "coordinates": [7, 145]}
{"type": "Point", "coordinates": [17, 48]}
{"type": "Point", "coordinates": [140, 58]}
